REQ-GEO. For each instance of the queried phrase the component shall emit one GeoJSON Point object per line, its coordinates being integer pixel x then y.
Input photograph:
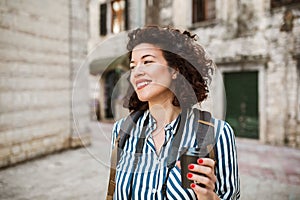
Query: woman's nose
{"type": "Point", "coordinates": [139, 70]}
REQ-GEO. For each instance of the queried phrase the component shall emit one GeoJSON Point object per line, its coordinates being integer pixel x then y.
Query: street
{"type": "Point", "coordinates": [266, 172]}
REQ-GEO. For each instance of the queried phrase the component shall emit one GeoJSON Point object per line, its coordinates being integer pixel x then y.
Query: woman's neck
{"type": "Point", "coordinates": [164, 113]}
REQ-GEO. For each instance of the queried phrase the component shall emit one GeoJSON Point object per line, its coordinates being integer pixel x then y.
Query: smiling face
{"type": "Point", "coordinates": [150, 75]}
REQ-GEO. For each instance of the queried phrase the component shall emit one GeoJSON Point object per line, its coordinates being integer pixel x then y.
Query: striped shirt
{"type": "Point", "coordinates": [151, 170]}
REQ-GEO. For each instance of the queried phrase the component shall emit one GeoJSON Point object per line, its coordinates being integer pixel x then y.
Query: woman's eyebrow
{"type": "Point", "coordinates": [144, 56]}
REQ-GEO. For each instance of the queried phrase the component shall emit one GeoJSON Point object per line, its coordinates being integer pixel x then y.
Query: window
{"type": "Point", "coordinates": [102, 21]}
{"type": "Point", "coordinates": [278, 3]}
{"type": "Point", "coordinates": [203, 10]}
{"type": "Point", "coordinates": [113, 17]}
{"type": "Point", "coordinates": [119, 16]}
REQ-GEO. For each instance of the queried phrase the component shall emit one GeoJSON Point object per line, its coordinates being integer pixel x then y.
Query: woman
{"type": "Point", "coordinates": [169, 74]}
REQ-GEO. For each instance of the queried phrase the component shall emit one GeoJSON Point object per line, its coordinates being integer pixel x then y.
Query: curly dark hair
{"type": "Point", "coordinates": [183, 53]}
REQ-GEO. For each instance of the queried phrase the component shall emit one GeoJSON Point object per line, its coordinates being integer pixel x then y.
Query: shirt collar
{"type": "Point", "coordinates": [172, 126]}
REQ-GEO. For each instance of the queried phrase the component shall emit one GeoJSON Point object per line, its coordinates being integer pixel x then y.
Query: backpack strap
{"type": "Point", "coordinates": [120, 142]}
{"type": "Point", "coordinates": [138, 151]}
{"type": "Point", "coordinates": [172, 157]}
{"type": "Point", "coordinates": [125, 129]}
{"type": "Point", "coordinates": [177, 140]}
{"type": "Point", "coordinates": [204, 136]}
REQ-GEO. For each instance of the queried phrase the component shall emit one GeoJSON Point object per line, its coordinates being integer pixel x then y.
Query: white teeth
{"type": "Point", "coordinates": [142, 84]}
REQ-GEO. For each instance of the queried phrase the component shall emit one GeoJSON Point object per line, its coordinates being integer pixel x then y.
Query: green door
{"type": "Point", "coordinates": [242, 103]}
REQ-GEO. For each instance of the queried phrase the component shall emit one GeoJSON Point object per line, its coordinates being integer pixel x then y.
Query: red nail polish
{"type": "Point", "coordinates": [193, 185]}
{"type": "Point", "coordinates": [191, 166]}
{"type": "Point", "coordinates": [200, 161]}
{"type": "Point", "coordinates": [189, 175]}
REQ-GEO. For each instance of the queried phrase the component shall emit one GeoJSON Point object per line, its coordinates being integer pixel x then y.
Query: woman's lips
{"type": "Point", "coordinates": [142, 83]}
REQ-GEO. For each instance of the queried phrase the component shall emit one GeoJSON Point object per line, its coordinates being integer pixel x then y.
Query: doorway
{"type": "Point", "coordinates": [242, 103]}
{"type": "Point", "coordinates": [111, 80]}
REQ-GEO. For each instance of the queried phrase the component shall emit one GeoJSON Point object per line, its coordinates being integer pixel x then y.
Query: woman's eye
{"type": "Point", "coordinates": [131, 67]}
{"type": "Point", "coordinates": [148, 61]}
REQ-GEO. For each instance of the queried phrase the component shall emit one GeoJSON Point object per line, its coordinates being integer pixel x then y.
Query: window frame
{"type": "Point", "coordinates": [207, 19]}
{"type": "Point", "coordinates": [106, 28]}
{"type": "Point", "coordinates": [281, 3]}
{"type": "Point", "coordinates": [103, 19]}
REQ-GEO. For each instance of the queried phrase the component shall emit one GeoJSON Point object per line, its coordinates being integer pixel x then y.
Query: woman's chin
{"type": "Point", "coordinates": [143, 98]}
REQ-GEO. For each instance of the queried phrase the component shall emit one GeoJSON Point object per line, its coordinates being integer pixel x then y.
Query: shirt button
{"type": "Point", "coordinates": [154, 191]}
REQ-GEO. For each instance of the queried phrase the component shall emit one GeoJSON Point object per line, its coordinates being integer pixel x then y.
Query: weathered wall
{"type": "Point", "coordinates": [80, 97]}
{"type": "Point", "coordinates": [35, 84]}
{"type": "Point", "coordinates": [250, 32]}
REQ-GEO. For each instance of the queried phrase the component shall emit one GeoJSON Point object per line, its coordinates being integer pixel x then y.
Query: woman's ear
{"type": "Point", "coordinates": [174, 76]}
{"type": "Point", "coordinates": [175, 73]}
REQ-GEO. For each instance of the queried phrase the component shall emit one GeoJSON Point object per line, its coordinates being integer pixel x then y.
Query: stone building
{"type": "Point", "coordinates": [43, 44]}
{"type": "Point", "coordinates": [255, 45]}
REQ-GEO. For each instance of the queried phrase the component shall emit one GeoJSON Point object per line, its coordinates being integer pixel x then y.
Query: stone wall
{"type": "Point", "coordinates": [263, 38]}
{"type": "Point", "coordinates": [158, 12]}
{"type": "Point", "coordinates": [80, 97]}
{"type": "Point", "coordinates": [35, 85]}
{"type": "Point", "coordinates": [253, 32]}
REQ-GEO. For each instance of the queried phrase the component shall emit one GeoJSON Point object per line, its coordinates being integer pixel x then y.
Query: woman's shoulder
{"type": "Point", "coordinates": [220, 123]}
{"type": "Point", "coordinates": [222, 129]}
{"type": "Point", "coordinates": [129, 119]}
{"type": "Point", "coordinates": [118, 124]}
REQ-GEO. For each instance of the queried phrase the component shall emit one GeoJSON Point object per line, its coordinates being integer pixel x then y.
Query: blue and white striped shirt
{"type": "Point", "coordinates": [151, 169]}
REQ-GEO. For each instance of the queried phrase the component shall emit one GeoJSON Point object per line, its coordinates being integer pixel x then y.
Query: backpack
{"type": "Point", "coordinates": [205, 129]}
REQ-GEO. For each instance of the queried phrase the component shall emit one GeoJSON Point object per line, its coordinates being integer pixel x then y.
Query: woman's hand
{"type": "Point", "coordinates": [205, 166]}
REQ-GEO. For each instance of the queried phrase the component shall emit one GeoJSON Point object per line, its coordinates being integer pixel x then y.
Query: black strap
{"type": "Point", "coordinates": [172, 157]}
{"type": "Point", "coordinates": [205, 134]}
{"type": "Point", "coordinates": [125, 130]}
{"type": "Point", "coordinates": [203, 128]}
{"type": "Point", "coordinates": [177, 139]}
{"type": "Point", "coordinates": [138, 152]}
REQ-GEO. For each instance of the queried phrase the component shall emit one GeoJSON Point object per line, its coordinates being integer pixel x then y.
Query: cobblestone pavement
{"type": "Point", "coordinates": [267, 172]}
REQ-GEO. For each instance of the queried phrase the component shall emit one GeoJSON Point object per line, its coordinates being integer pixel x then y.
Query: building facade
{"type": "Point", "coordinates": [255, 45]}
{"type": "Point", "coordinates": [43, 44]}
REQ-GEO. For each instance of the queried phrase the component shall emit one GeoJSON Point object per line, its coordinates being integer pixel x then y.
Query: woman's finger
{"type": "Point", "coordinates": [200, 179]}
{"type": "Point", "coordinates": [201, 192]}
{"type": "Point", "coordinates": [205, 170]}
{"type": "Point", "coordinates": [206, 162]}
